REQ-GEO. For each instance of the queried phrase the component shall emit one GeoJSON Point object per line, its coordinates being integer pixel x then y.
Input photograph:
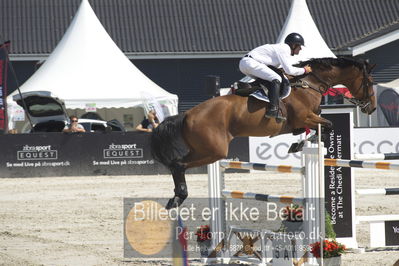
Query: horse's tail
{"type": "Point", "coordinates": [167, 143]}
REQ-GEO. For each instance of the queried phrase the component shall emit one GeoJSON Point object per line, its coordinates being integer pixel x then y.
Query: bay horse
{"type": "Point", "coordinates": [202, 134]}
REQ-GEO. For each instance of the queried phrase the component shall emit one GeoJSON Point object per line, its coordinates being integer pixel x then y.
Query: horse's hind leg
{"type": "Point", "coordinates": [178, 170]}
{"type": "Point", "coordinates": [202, 151]}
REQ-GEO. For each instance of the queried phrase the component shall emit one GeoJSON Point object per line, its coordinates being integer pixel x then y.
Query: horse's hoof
{"type": "Point", "coordinates": [174, 203]}
{"type": "Point", "coordinates": [300, 145]}
{"type": "Point", "coordinates": [293, 148]}
{"type": "Point", "coordinates": [328, 125]}
{"type": "Point", "coordinates": [296, 147]}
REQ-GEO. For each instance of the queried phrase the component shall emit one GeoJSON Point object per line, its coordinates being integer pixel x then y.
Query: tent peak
{"type": "Point", "coordinates": [300, 20]}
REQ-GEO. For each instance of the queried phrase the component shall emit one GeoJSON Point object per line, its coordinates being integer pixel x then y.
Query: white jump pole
{"type": "Point", "coordinates": [216, 203]}
{"type": "Point", "coordinates": [377, 156]}
{"type": "Point", "coordinates": [314, 192]}
{"type": "Point", "coordinates": [378, 191]}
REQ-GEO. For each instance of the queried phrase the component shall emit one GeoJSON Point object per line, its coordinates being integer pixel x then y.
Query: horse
{"type": "Point", "coordinates": [202, 134]}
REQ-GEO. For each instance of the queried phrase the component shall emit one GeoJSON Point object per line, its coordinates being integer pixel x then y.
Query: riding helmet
{"type": "Point", "coordinates": [294, 38]}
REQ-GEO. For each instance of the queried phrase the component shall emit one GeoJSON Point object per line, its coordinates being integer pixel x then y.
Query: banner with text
{"type": "Point", "coordinates": [338, 183]}
{"type": "Point", "coordinates": [80, 154]}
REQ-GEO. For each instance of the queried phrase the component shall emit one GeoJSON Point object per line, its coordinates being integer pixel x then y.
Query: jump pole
{"type": "Point", "coordinates": [378, 191]}
{"type": "Point", "coordinates": [361, 164]}
{"type": "Point", "coordinates": [216, 205]}
{"type": "Point", "coordinates": [377, 156]}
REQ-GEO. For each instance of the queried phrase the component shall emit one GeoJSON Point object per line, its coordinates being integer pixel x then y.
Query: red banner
{"type": "Point", "coordinates": [3, 85]}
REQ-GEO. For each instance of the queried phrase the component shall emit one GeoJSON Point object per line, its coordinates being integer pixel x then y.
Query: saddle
{"type": "Point", "coordinates": [247, 86]}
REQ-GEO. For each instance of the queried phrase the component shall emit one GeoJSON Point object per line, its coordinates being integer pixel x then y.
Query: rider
{"type": "Point", "coordinates": [255, 64]}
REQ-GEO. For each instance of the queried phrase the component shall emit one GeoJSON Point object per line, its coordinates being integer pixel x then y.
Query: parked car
{"type": "Point", "coordinates": [47, 113]}
{"type": "Point", "coordinates": [93, 125]}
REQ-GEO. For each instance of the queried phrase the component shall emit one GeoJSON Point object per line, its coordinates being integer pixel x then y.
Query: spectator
{"type": "Point", "coordinates": [73, 126]}
{"type": "Point", "coordinates": [148, 123]}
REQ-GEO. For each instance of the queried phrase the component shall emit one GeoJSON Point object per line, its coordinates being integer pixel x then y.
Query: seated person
{"type": "Point", "coordinates": [149, 123]}
{"type": "Point", "coordinates": [73, 126]}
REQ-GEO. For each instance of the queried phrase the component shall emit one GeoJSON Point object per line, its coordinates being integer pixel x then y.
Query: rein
{"type": "Point", "coordinates": [302, 83]}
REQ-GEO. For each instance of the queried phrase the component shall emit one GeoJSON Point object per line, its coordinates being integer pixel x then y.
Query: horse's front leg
{"type": "Point", "coordinates": [312, 120]}
{"type": "Point", "coordinates": [326, 126]}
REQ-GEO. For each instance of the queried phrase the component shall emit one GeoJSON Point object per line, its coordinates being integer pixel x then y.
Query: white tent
{"type": "Point", "coordinates": [88, 69]}
{"type": "Point", "coordinates": [300, 20]}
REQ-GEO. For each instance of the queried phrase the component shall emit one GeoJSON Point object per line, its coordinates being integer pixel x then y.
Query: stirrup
{"type": "Point", "coordinates": [271, 111]}
{"type": "Point", "coordinates": [281, 118]}
{"type": "Point", "coordinates": [275, 114]}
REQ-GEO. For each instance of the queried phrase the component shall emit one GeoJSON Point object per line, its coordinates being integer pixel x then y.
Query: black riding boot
{"type": "Point", "coordinates": [273, 94]}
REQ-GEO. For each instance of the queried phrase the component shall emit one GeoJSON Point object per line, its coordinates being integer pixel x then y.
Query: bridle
{"type": "Point", "coordinates": [365, 101]}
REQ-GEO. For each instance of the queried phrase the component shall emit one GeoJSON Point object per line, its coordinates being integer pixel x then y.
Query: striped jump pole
{"type": "Point", "coordinates": [261, 197]}
{"type": "Point", "coordinates": [377, 156]}
{"type": "Point", "coordinates": [378, 191]}
{"type": "Point", "coordinates": [361, 164]}
{"type": "Point", "coordinates": [261, 167]}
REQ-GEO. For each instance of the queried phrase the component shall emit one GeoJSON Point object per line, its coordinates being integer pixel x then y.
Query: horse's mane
{"type": "Point", "coordinates": [329, 62]}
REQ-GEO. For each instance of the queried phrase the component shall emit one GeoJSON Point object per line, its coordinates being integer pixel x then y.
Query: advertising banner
{"type": "Point", "coordinates": [391, 233]}
{"type": "Point", "coordinates": [338, 183]}
{"type": "Point", "coordinates": [274, 151]}
{"type": "Point", "coordinates": [365, 140]}
{"type": "Point", "coordinates": [388, 101]}
{"type": "Point", "coordinates": [87, 154]}
{"type": "Point", "coordinates": [376, 140]}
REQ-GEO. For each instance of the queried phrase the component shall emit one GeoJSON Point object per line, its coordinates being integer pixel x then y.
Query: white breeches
{"type": "Point", "coordinates": [254, 69]}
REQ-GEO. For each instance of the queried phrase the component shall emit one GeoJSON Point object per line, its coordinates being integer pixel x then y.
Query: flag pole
{"type": "Point", "coordinates": [6, 45]}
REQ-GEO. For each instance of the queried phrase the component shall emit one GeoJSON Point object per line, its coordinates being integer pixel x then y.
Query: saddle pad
{"type": "Point", "coordinates": [261, 95]}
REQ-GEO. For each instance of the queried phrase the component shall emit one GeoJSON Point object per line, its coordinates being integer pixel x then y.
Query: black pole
{"type": "Point", "coordinates": [17, 84]}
